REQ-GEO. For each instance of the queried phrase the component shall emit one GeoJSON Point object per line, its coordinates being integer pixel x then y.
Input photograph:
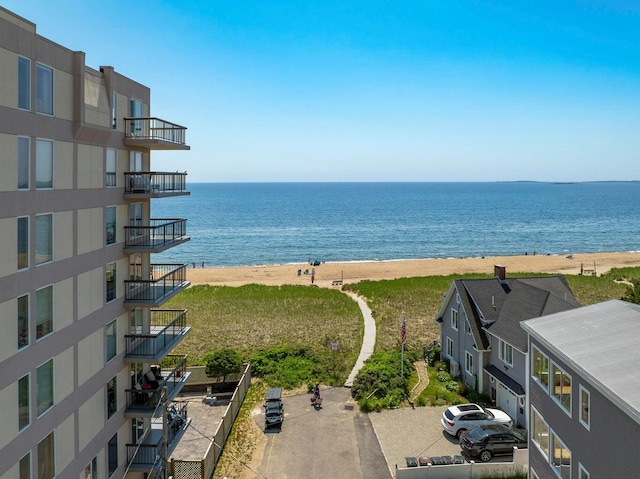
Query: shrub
{"type": "Point", "coordinates": [443, 376]}
{"type": "Point", "coordinates": [453, 386]}
{"type": "Point", "coordinates": [287, 367]}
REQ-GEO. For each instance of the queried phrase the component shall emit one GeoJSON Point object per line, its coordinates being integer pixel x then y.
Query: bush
{"type": "Point", "coordinates": [453, 386]}
{"type": "Point", "coordinates": [287, 367]}
{"type": "Point", "coordinates": [222, 362]}
{"type": "Point", "coordinates": [443, 376]}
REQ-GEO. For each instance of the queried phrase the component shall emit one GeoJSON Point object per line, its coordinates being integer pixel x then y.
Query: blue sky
{"type": "Point", "coordinates": [445, 90]}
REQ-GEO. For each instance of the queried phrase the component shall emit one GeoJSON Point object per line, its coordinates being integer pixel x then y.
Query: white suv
{"type": "Point", "coordinates": [467, 416]}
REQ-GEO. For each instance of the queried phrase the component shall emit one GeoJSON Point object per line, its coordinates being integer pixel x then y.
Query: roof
{"type": "Point", "coordinates": [504, 304]}
{"type": "Point", "coordinates": [600, 342]}
{"type": "Point", "coordinates": [509, 383]}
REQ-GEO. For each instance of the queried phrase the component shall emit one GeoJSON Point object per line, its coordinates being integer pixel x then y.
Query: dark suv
{"type": "Point", "coordinates": [273, 407]}
{"type": "Point", "coordinates": [487, 441]}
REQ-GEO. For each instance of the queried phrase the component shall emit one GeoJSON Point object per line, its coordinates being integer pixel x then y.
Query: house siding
{"type": "Point", "coordinates": [517, 372]}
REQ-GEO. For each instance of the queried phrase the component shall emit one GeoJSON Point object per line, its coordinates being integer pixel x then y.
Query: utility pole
{"type": "Point", "coordinates": [165, 432]}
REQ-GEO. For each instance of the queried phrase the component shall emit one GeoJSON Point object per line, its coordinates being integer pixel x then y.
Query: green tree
{"type": "Point", "coordinates": [632, 295]}
{"type": "Point", "coordinates": [222, 362]}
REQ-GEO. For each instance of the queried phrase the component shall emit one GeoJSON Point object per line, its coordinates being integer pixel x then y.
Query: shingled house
{"type": "Point", "coordinates": [481, 335]}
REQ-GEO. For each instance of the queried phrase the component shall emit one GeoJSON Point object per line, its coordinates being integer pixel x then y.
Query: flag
{"type": "Point", "coordinates": [403, 331]}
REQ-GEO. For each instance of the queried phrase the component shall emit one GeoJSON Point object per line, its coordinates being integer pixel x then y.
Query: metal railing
{"type": "Point", "coordinates": [169, 324]}
{"type": "Point", "coordinates": [154, 182]}
{"type": "Point", "coordinates": [159, 232]}
{"type": "Point", "coordinates": [173, 374]}
{"type": "Point", "coordinates": [151, 128]}
{"type": "Point", "coordinates": [164, 279]}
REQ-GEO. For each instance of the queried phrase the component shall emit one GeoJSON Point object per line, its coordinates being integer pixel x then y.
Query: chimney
{"type": "Point", "coordinates": [500, 272]}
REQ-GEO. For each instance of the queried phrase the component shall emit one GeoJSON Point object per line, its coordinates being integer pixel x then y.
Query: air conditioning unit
{"type": "Point", "coordinates": [454, 369]}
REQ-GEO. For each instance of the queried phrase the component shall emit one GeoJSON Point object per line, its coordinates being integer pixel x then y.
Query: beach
{"type": "Point", "coordinates": [352, 272]}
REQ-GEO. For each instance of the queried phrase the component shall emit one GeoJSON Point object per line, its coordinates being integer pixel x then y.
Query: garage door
{"type": "Point", "coordinates": [507, 401]}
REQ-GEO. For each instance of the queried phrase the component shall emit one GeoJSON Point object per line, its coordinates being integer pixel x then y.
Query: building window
{"type": "Point", "coordinates": [561, 459]}
{"type": "Point", "coordinates": [23, 242]}
{"type": "Point", "coordinates": [24, 414]}
{"type": "Point", "coordinates": [44, 89]}
{"type": "Point", "coordinates": [454, 319]}
{"type": "Point", "coordinates": [112, 397]}
{"type": "Point", "coordinates": [540, 432]}
{"type": "Point", "coordinates": [585, 407]}
{"type": "Point", "coordinates": [111, 224]}
{"type": "Point", "coordinates": [114, 110]}
{"type": "Point", "coordinates": [137, 429]}
{"type": "Point", "coordinates": [111, 282]}
{"type": "Point", "coordinates": [91, 471]}
{"type": "Point", "coordinates": [111, 167]}
{"type": "Point", "coordinates": [561, 387]}
{"type": "Point", "coordinates": [112, 453]}
{"type": "Point", "coordinates": [583, 473]}
{"type": "Point", "coordinates": [44, 375]}
{"type": "Point", "coordinates": [44, 164]}
{"type": "Point", "coordinates": [46, 458]}
{"type": "Point", "coordinates": [111, 340]}
{"type": "Point", "coordinates": [506, 353]}
{"type": "Point", "coordinates": [25, 466]}
{"type": "Point", "coordinates": [24, 160]}
{"type": "Point", "coordinates": [468, 362]}
{"type": "Point", "coordinates": [24, 83]}
{"type": "Point", "coordinates": [467, 327]}
{"type": "Point", "coordinates": [23, 321]}
{"type": "Point", "coordinates": [540, 368]}
{"type": "Point", "coordinates": [44, 238]}
{"type": "Point", "coordinates": [449, 347]}
{"type": "Point", "coordinates": [44, 312]}
{"type": "Point", "coordinates": [135, 321]}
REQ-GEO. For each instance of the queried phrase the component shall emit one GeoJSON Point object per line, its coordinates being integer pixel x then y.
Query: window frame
{"type": "Point", "coordinates": [47, 257]}
{"type": "Point", "coordinates": [449, 342]}
{"type": "Point", "coordinates": [110, 239]}
{"type": "Point", "coordinates": [43, 91]}
{"type": "Point", "coordinates": [111, 168]}
{"type": "Point", "coordinates": [50, 165]}
{"type": "Point", "coordinates": [582, 472]}
{"type": "Point", "coordinates": [112, 455]}
{"type": "Point", "coordinates": [112, 397]}
{"type": "Point", "coordinates": [582, 390]}
{"type": "Point", "coordinates": [539, 379]}
{"type": "Point", "coordinates": [535, 414]}
{"type": "Point", "coordinates": [91, 469]}
{"type": "Point", "coordinates": [111, 285]}
{"type": "Point", "coordinates": [503, 348]}
{"type": "Point", "coordinates": [23, 323]}
{"type": "Point", "coordinates": [24, 420]}
{"type": "Point", "coordinates": [467, 327]}
{"type": "Point", "coordinates": [111, 340]}
{"type": "Point", "coordinates": [45, 404]}
{"type": "Point", "coordinates": [27, 456]}
{"type": "Point", "coordinates": [468, 362]}
{"type": "Point", "coordinates": [51, 456]}
{"type": "Point", "coordinates": [558, 468]}
{"type": "Point", "coordinates": [24, 161]}
{"type": "Point", "coordinates": [560, 399]}
{"type": "Point", "coordinates": [23, 240]}
{"type": "Point", "coordinates": [24, 90]}
{"type": "Point", "coordinates": [114, 110]}
{"type": "Point", "coordinates": [50, 319]}
{"type": "Point", "coordinates": [454, 319]}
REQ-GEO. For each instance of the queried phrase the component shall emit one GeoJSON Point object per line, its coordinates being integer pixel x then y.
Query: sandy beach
{"type": "Point", "coordinates": [327, 273]}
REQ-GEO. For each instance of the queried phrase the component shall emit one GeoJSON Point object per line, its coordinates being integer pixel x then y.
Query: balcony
{"type": "Point", "coordinates": [168, 328]}
{"type": "Point", "coordinates": [159, 236]}
{"type": "Point", "coordinates": [154, 184]}
{"type": "Point", "coordinates": [142, 457]}
{"type": "Point", "coordinates": [155, 134]}
{"type": "Point", "coordinates": [166, 280]}
{"type": "Point", "coordinates": [144, 401]}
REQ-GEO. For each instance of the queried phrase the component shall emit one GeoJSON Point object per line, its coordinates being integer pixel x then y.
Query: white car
{"type": "Point", "coordinates": [464, 417]}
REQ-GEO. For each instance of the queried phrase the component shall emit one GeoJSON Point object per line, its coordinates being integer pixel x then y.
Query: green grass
{"type": "Point", "coordinates": [436, 392]}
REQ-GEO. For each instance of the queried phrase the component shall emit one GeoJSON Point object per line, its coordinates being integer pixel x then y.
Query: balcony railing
{"type": "Point", "coordinates": [145, 401]}
{"type": "Point", "coordinates": [154, 133]}
{"type": "Point", "coordinates": [154, 184]}
{"type": "Point", "coordinates": [168, 328]}
{"type": "Point", "coordinates": [165, 280]}
{"type": "Point", "coordinates": [161, 234]}
{"type": "Point", "coordinates": [142, 456]}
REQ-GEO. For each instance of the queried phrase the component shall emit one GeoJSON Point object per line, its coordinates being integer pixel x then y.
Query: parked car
{"type": "Point", "coordinates": [467, 416]}
{"type": "Point", "coordinates": [486, 441]}
{"type": "Point", "coordinates": [273, 407]}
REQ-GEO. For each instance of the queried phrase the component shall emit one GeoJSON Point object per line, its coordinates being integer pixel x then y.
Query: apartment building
{"type": "Point", "coordinates": [87, 378]}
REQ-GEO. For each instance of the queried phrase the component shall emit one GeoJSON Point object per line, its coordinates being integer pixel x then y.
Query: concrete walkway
{"type": "Point", "coordinates": [368, 340]}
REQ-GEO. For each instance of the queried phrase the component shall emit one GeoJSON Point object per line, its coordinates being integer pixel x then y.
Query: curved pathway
{"type": "Point", "coordinates": [368, 339]}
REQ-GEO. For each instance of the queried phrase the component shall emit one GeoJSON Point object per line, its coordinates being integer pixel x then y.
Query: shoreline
{"type": "Point", "coordinates": [355, 271]}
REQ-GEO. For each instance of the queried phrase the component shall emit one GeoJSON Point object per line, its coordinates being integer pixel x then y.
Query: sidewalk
{"type": "Point", "coordinates": [368, 340]}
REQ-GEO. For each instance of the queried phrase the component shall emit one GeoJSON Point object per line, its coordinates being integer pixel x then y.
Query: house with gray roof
{"type": "Point", "coordinates": [481, 336]}
{"type": "Point", "coordinates": [584, 392]}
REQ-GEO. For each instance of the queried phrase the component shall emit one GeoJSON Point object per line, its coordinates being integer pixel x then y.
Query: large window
{"type": "Point", "coordinates": [561, 388]}
{"type": "Point", "coordinates": [111, 340]}
{"type": "Point", "coordinates": [46, 458]}
{"type": "Point", "coordinates": [23, 242]}
{"type": "Point", "coordinates": [506, 353]}
{"type": "Point", "coordinates": [23, 321]}
{"type": "Point", "coordinates": [540, 367]}
{"type": "Point", "coordinates": [468, 362]}
{"type": "Point", "coordinates": [454, 319]}
{"type": "Point", "coordinates": [24, 415]}
{"type": "Point", "coordinates": [112, 396]}
{"type": "Point", "coordinates": [540, 432]}
{"type": "Point", "coordinates": [91, 471]}
{"type": "Point", "coordinates": [44, 238]}
{"type": "Point", "coordinates": [111, 282]}
{"type": "Point", "coordinates": [585, 407]}
{"type": "Point", "coordinates": [25, 466]}
{"type": "Point", "coordinates": [44, 375]}
{"type": "Point", "coordinates": [44, 164]}
{"type": "Point", "coordinates": [24, 83]}
{"type": "Point", "coordinates": [561, 458]}
{"type": "Point", "coordinates": [44, 312]}
{"type": "Point", "coordinates": [44, 90]}
{"type": "Point", "coordinates": [111, 167]}
{"type": "Point", "coordinates": [112, 453]}
{"type": "Point", "coordinates": [110, 224]}
{"type": "Point", "coordinates": [24, 160]}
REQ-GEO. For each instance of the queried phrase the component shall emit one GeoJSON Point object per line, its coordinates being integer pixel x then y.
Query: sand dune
{"type": "Point", "coordinates": [326, 273]}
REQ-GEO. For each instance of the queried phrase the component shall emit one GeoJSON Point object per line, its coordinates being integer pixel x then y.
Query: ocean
{"type": "Point", "coordinates": [236, 224]}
